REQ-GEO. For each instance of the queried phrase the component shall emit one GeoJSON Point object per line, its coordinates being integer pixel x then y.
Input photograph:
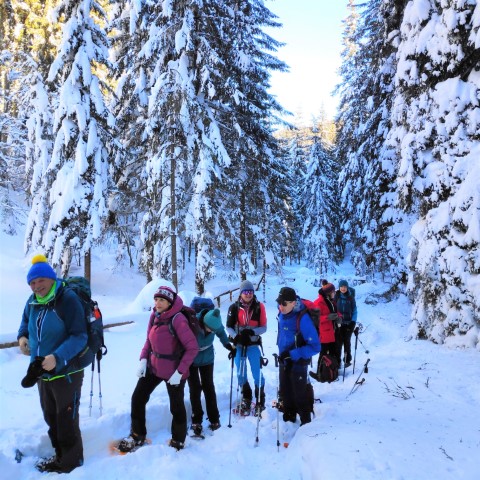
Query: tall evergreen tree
{"type": "Point", "coordinates": [318, 204]}
{"type": "Point", "coordinates": [82, 133]}
{"type": "Point", "coordinates": [435, 130]}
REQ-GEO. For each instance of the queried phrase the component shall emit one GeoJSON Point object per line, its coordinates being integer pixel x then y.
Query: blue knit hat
{"type": "Point", "coordinates": [342, 283]}
{"type": "Point", "coordinates": [202, 303]}
{"type": "Point", "coordinates": [40, 269]}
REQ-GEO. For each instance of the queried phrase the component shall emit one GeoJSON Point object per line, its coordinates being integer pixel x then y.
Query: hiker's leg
{"type": "Point", "coordinates": [140, 397]}
{"type": "Point", "coordinates": [302, 400]}
{"type": "Point", "coordinates": [195, 387]}
{"type": "Point", "coordinates": [254, 357]}
{"type": "Point", "coordinates": [206, 373]}
{"type": "Point", "coordinates": [178, 411]}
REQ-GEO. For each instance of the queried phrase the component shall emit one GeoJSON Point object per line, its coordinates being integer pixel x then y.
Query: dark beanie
{"type": "Point", "coordinates": [342, 283]}
{"type": "Point", "coordinates": [165, 292]}
{"type": "Point", "coordinates": [286, 294]}
{"type": "Point", "coordinates": [328, 288]}
{"type": "Point", "coordinates": [40, 269]}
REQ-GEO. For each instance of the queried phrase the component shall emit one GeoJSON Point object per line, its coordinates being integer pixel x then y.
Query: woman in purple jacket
{"type": "Point", "coordinates": [169, 350]}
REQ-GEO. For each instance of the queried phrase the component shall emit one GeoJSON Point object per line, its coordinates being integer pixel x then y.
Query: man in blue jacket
{"type": "Point", "coordinates": [53, 331]}
{"type": "Point", "coordinates": [298, 341]}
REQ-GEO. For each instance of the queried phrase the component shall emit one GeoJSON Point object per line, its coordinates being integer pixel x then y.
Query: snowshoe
{"type": "Point", "coordinates": [49, 464]}
{"type": "Point", "coordinates": [176, 444]}
{"type": "Point", "coordinates": [214, 426]}
{"type": "Point", "coordinates": [197, 431]}
{"type": "Point", "coordinates": [128, 445]}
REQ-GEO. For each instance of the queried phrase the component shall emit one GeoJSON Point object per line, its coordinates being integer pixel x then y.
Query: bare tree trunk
{"type": "Point", "coordinates": [173, 222]}
{"type": "Point", "coordinates": [87, 267]}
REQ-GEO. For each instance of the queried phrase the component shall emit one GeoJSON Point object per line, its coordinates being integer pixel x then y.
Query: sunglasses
{"type": "Point", "coordinates": [284, 303]}
{"type": "Point", "coordinates": [247, 292]}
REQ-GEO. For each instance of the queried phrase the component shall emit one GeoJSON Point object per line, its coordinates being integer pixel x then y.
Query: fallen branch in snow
{"type": "Point", "coordinates": [110, 325]}
{"type": "Point", "coordinates": [446, 454]}
{"type": "Point", "coordinates": [398, 391]}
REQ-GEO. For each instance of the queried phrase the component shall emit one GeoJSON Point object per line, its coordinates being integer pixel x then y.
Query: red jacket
{"type": "Point", "coordinates": [327, 328]}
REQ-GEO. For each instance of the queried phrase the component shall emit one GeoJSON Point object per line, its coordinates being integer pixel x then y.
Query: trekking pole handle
{"type": "Point", "coordinates": [275, 356]}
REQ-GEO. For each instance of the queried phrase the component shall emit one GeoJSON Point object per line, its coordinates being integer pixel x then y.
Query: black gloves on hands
{"type": "Point", "coordinates": [285, 357]}
{"type": "Point", "coordinates": [34, 372]}
{"type": "Point", "coordinates": [231, 351]}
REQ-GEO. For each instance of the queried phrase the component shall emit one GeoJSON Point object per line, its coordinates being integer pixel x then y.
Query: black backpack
{"type": "Point", "coordinates": [192, 319]}
{"type": "Point", "coordinates": [327, 369]}
{"type": "Point", "coordinates": [95, 347]}
{"type": "Point", "coordinates": [314, 314]}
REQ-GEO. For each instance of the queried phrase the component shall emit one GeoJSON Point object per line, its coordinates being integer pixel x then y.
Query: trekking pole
{"type": "Point", "coordinates": [359, 382]}
{"type": "Point", "coordinates": [258, 400]}
{"type": "Point", "coordinates": [278, 394]}
{"type": "Point", "coordinates": [231, 388]}
{"type": "Point", "coordinates": [356, 343]}
{"type": "Point", "coordinates": [243, 369]}
{"type": "Point", "coordinates": [91, 389]}
{"type": "Point", "coordinates": [344, 369]}
{"type": "Point", "coordinates": [99, 357]}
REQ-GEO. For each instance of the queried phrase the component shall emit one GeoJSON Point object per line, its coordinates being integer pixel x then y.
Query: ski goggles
{"type": "Point", "coordinates": [247, 292]}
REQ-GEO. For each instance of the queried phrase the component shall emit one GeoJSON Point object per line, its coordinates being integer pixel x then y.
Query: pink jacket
{"type": "Point", "coordinates": [165, 352]}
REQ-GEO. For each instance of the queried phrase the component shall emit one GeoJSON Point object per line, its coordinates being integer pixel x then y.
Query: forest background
{"type": "Point", "coordinates": [149, 127]}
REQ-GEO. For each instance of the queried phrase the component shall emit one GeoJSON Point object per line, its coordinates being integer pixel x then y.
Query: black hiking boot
{"type": "Point", "coordinates": [197, 429]}
{"type": "Point", "coordinates": [214, 426]}
{"type": "Point", "coordinates": [176, 444]}
{"type": "Point", "coordinates": [49, 464]}
{"type": "Point", "coordinates": [130, 443]}
{"type": "Point", "coordinates": [245, 407]}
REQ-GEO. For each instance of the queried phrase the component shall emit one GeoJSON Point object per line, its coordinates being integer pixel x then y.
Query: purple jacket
{"type": "Point", "coordinates": [165, 352]}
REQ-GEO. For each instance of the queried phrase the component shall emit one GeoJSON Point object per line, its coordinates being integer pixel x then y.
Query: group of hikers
{"type": "Point", "coordinates": [53, 331]}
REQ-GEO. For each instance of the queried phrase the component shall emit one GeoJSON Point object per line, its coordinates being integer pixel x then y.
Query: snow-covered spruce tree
{"type": "Point", "coordinates": [38, 149]}
{"type": "Point", "coordinates": [14, 62]}
{"type": "Point", "coordinates": [367, 181]}
{"type": "Point", "coordinates": [318, 200]}
{"type": "Point", "coordinates": [185, 152]}
{"type": "Point", "coordinates": [133, 68]}
{"type": "Point", "coordinates": [82, 133]}
{"type": "Point", "coordinates": [436, 125]}
{"type": "Point", "coordinates": [258, 183]}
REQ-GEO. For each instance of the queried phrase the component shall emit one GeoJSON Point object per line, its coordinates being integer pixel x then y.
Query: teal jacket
{"type": "Point", "coordinates": [206, 355]}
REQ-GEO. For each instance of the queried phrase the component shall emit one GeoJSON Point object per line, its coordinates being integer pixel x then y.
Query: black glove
{"type": "Point", "coordinates": [34, 372]}
{"type": "Point", "coordinates": [232, 352]}
{"type": "Point", "coordinates": [355, 331]}
{"type": "Point", "coordinates": [245, 336]}
{"type": "Point", "coordinates": [285, 357]}
{"type": "Point", "coordinates": [237, 339]}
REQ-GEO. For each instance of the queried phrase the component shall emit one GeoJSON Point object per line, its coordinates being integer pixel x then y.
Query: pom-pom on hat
{"type": "Point", "coordinates": [246, 285]}
{"type": "Point", "coordinates": [212, 319]}
{"type": "Point", "coordinates": [40, 269]}
{"type": "Point", "coordinates": [342, 283]}
{"type": "Point", "coordinates": [328, 289]}
{"type": "Point", "coordinates": [165, 292]}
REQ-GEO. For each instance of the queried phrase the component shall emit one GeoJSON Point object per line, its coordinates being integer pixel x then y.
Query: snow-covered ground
{"type": "Point", "coordinates": [414, 417]}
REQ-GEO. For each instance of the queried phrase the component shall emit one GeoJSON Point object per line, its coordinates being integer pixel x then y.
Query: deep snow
{"type": "Point", "coordinates": [415, 416]}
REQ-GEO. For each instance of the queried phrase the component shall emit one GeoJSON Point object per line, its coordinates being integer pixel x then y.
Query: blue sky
{"type": "Point", "coordinates": [312, 31]}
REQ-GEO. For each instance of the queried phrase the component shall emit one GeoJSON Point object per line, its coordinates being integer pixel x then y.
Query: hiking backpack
{"type": "Point", "coordinates": [327, 368]}
{"type": "Point", "coordinates": [192, 320]}
{"type": "Point", "coordinates": [95, 347]}
{"type": "Point", "coordinates": [314, 314]}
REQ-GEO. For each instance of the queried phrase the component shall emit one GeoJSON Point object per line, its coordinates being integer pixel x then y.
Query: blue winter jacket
{"type": "Point", "coordinates": [287, 329]}
{"type": "Point", "coordinates": [347, 306]}
{"type": "Point", "coordinates": [57, 328]}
